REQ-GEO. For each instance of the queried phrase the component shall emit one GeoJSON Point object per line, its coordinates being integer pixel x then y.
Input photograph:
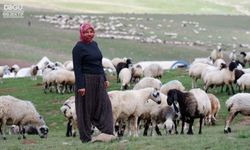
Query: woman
{"type": "Point", "coordinates": [93, 106]}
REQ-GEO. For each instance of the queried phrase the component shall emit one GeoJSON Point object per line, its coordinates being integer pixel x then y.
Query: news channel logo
{"type": "Point", "coordinates": [13, 11]}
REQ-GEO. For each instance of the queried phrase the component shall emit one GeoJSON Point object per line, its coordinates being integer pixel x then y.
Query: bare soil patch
{"type": "Point", "coordinates": [11, 62]}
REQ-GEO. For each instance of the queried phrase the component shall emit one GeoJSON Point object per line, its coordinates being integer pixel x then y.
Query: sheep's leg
{"type": "Point", "coordinates": [3, 129]}
{"type": "Point", "coordinates": [232, 88]}
{"type": "Point", "coordinates": [193, 83]}
{"type": "Point", "coordinates": [182, 126]}
{"type": "Point", "coordinates": [69, 129]}
{"type": "Point", "coordinates": [129, 126]}
{"type": "Point", "coordinates": [201, 118]}
{"type": "Point", "coordinates": [136, 126]}
{"type": "Point", "coordinates": [228, 121]}
{"type": "Point", "coordinates": [22, 131]}
{"type": "Point", "coordinates": [157, 130]}
{"type": "Point", "coordinates": [190, 130]}
{"type": "Point", "coordinates": [146, 126]}
{"type": "Point", "coordinates": [175, 127]}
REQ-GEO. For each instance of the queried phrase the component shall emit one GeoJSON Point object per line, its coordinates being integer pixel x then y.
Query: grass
{"type": "Point", "coordinates": [49, 105]}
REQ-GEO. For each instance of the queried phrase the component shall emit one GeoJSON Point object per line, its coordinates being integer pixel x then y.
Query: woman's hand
{"type": "Point", "coordinates": [81, 91]}
{"type": "Point", "coordinates": [106, 84]}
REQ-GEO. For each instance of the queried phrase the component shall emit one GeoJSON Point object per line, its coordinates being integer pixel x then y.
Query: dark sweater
{"type": "Point", "coordinates": [87, 59]}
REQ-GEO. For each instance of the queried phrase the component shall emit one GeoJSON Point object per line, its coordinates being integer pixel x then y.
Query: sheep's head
{"type": "Point", "coordinates": [173, 98]}
{"type": "Point", "coordinates": [43, 131]}
{"type": "Point", "coordinates": [66, 110]}
{"type": "Point", "coordinates": [169, 126]}
{"type": "Point", "coordinates": [155, 96]}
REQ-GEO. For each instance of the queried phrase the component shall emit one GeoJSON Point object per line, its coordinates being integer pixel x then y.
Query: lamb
{"type": "Point", "coordinates": [14, 111]}
{"type": "Point", "coordinates": [174, 84]}
{"type": "Point", "coordinates": [125, 78]}
{"type": "Point", "coordinates": [68, 65]}
{"type": "Point", "coordinates": [153, 70]}
{"type": "Point", "coordinates": [69, 111]}
{"type": "Point", "coordinates": [192, 104]}
{"type": "Point", "coordinates": [137, 73]}
{"type": "Point", "coordinates": [238, 103]}
{"type": "Point", "coordinates": [122, 65]}
{"type": "Point", "coordinates": [148, 82]}
{"type": "Point", "coordinates": [221, 77]}
{"type": "Point", "coordinates": [129, 105]}
{"type": "Point", "coordinates": [215, 107]}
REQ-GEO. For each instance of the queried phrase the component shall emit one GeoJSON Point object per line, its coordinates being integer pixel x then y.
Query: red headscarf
{"type": "Point", "coordinates": [83, 28]}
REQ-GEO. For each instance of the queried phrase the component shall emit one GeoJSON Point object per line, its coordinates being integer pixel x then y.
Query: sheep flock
{"type": "Point", "coordinates": [144, 98]}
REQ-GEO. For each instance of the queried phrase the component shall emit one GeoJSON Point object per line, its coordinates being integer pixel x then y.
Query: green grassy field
{"type": "Point", "coordinates": [26, 45]}
{"type": "Point", "coordinates": [49, 105]}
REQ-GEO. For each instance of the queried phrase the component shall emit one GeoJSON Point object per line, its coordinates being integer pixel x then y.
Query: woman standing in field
{"type": "Point", "coordinates": [93, 106]}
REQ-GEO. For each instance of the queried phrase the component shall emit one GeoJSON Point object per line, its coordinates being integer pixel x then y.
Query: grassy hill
{"type": "Point", "coordinates": [141, 6]}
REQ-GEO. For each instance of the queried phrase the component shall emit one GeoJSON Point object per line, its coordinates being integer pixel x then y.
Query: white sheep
{"type": "Point", "coordinates": [195, 70]}
{"type": "Point", "coordinates": [68, 65]}
{"type": "Point", "coordinates": [107, 64]}
{"type": "Point", "coordinates": [14, 68]}
{"type": "Point", "coordinates": [173, 84]}
{"type": "Point", "coordinates": [148, 82]}
{"type": "Point", "coordinates": [129, 105]}
{"type": "Point", "coordinates": [153, 70]}
{"type": "Point", "coordinates": [216, 54]}
{"type": "Point", "coordinates": [233, 55]}
{"type": "Point", "coordinates": [115, 61]}
{"type": "Point", "coordinates": [69, 111]}
{"type": "Point", "coordinates": [192, 104]}
{"type": "Point", "coordinates": [206, 60]}
{"type": "Point", "coordinates": [239, 103]}
{"type": "Point", "coordinates": [222, 77]}
{"type": "Point", "coordinates": [244, 82]}
{"type": "Point", "coordinates": [125, 78]}
{"type": "Point", "coordinates": [14, 111]}
{"type": "Point", "coordinates": [3, 70]}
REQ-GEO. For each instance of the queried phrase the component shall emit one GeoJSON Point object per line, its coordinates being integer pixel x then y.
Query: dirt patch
{"type": "Point", "coordinates": [245, 121]}
{"type": "Point", "coordinates": [11, 62]}
{"type": "Point", "coordinates": [7, 90]}
{"type": "Point", "coordinates": [26, 141]}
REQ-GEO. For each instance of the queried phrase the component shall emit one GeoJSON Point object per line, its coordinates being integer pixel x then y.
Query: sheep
{"type": "Point", "coordinates": [238, 103]}
{"type": "Point", "coordinates": [14, 111]}
{"type": "Point", "coordinates": [33, 72]}
{"type": "Point", "coordinates": [215, 107]}
{"type": "Point", "coordinates": [115, 61]}
{"type": "Point", "coordinates": [206, 60]}
{"type": "Point", "coordinates": [244, 82]}
{"type": "Point", "coordinates": [107, 64]}
{"type": "Point", "coordinates": [221, 77]}
{"type": "Point", "coordinates": [3, 70]}
{"type": "Point", "coordinates": [122, 65]}
{"type": "Point", "coordinates": [153, 70]}
{"type": "Point", "coordinates": [69, 111]}
{"type": "Point", "coordinates": [195, 70]}
{"type": "Point", "coordinates": [216, 54]}
{"type": "Point", "coordinates": [129, 105]}
{"type": "Point", "coordinates": [219, 62]}
{"type": "Point", "coordinates": [137, 73]}
{"type": "Point", "coordinates": [15, 68]}
{"type": "Point", "coordinates": [125, 78]}
{"type": "Point", "coordinates": [192, 104]}
{"type": "Point", "coordinates": [247, 58]}
{"type": "Point", "coordinates": [233, 55]}
{"type": "Point", "coordinates": [148, 82]}
{"type": "Point", "coordinates": [68, 65]}
{"type": "Point", "coordinates": [173, 84]}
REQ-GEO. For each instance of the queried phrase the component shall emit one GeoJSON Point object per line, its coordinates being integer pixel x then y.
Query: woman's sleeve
{"type": "Point", "coordinates": [79, 79]}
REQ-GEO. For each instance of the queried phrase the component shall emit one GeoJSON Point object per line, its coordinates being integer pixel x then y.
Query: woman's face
{"type": "Point", "coordinates": [88, 35]}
